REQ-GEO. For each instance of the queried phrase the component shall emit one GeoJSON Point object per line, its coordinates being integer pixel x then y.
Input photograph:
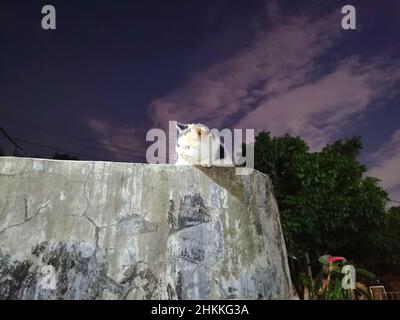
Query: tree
{"type": "Point", "coordinates": [327, 205]}
{"type": "Point", "coordinates": [389, 240]}
{"type": "Point", "coordinates": [64, 156]}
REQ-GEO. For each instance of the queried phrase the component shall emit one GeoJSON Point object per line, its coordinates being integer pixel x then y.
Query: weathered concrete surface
{"type": "Point", "coordinates": [103, 230]}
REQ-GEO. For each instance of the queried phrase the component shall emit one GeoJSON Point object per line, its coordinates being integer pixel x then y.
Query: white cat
{"type": "Point", "coordinates": [197, 145]}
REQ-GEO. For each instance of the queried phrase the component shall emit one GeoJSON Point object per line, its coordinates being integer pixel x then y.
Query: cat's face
{"type": "Point", "coordinates": [194, 142]}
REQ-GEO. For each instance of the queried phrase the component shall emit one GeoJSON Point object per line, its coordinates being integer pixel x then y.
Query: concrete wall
{"type": "Point", "coordinates": [104, 230]}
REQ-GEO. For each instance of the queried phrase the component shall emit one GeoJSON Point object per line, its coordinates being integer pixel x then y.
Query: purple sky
{"type": "Point", "coordinates": [113, 70]}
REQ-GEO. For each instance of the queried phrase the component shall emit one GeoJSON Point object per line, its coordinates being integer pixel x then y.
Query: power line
{"type": "Point", "coordinates": [80, 139]}
{"type": "Point", "coordinates": [134, 155]}
{"type": "Point", "coordinates": [83, 145]}
{"type": "Point", "coordinates": [55, 148]}
{"type": "Point", "coordinates": [10, 139]}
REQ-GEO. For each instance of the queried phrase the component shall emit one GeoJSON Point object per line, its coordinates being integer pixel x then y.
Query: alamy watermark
{"type": "Point", "coordinates": [349, 279]}
{"type": "Point", "coordinates": [231, 140]}
{"type": "Point", "coordinates": [348, 21]}
{"type": "Point", "coordinates": [49, 18]}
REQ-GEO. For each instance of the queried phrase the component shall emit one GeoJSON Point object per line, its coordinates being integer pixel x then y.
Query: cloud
{"type": "Point", "coordinates": [273, 12]}
{"type": "Point", "coordinates": [99, 126]}
{"type": "Point", "coordinates": [317, 110]}
{"type": "Point", "coordinates": [123, 142]}
{"type": "Point", "coordinates": [287, 81]}
{"type": "Point", "coordinates": [230, 86]}
{"type": "Point", "coordinates": [387, 166]}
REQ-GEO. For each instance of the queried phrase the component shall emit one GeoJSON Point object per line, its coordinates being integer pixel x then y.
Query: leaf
{"type": "Point", "coordinates": [365, 273]}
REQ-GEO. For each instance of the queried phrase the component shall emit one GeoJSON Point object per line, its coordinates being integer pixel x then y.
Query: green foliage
{"type": "Point", "coordinates": [389, 239]}
{"type": "Point", "coordinates": [350, 147]}
{"type": "Point", "coordinates": [326, 202]}
{"type": "Point", "coordinates": [327, 285]}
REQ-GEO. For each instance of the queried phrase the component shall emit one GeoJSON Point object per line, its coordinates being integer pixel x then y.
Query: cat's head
{"type": "Point", "coordinates": [195, 142]}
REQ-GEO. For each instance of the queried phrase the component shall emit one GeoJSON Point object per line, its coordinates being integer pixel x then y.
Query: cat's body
{"type": "Point", "coordinates": [198, 145]}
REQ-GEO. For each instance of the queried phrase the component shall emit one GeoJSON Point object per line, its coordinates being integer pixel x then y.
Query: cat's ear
{"type": "Point", "coordinates": [181, 126]}
{"type": "Point", "coordinates": [201, 131]}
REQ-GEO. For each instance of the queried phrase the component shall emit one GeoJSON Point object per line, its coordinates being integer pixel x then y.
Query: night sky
{"type": "Point", "coordinates": [112, 70]}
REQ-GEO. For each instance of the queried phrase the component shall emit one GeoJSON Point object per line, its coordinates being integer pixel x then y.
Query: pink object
{"type": "Point", "coordinates": [334, 259]}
